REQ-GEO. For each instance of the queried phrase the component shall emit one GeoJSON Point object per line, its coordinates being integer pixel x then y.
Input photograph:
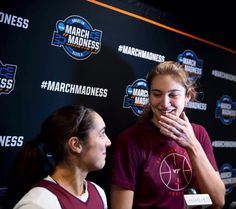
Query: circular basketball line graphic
{"type": "Point", "coordinates": [175, 171]}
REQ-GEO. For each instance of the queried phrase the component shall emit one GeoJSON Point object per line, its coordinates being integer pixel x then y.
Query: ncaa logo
{"type": "Point", "coordinates": [77, 37]}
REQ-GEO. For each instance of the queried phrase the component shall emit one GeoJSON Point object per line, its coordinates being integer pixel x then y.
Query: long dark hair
{"type": "Point", "coordinates": [38, 157]}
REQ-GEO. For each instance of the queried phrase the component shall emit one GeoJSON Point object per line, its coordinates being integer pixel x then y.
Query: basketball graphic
{"type": "Point", "coordinates": [175, 171]}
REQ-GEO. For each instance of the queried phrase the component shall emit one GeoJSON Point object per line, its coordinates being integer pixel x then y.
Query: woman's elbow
{"type": "Point", "coordinates": [219, 202]}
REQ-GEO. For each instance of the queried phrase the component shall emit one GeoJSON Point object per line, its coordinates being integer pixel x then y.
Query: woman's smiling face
{"type": "Point", "coordinates": [167, 95]}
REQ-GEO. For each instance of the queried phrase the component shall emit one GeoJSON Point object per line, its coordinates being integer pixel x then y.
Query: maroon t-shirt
{"type": "Point", "coordinates": [155, 167]}
{"type": "Point", "coordinates": [69, 201]}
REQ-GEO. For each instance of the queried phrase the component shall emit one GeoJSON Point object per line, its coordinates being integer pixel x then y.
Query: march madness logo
{"type": "Point", "coordinates": [77, 37]}
{"type": "Point", "coordinates": [7, 78]}
{"type": "Point", "coordinates": [136, 96]}
{"type": "Point", "coordinates": [192, 64]}
{"type": "Point", "coordinates": [228, 176]}
{"type": "Point", "coordinates": [225, 110]}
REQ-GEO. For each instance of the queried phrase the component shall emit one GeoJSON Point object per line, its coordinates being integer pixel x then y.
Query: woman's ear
{"type": "Point", "coordinates": [187, 98]}
{"type": "Point", "coordinates": [75, 144]}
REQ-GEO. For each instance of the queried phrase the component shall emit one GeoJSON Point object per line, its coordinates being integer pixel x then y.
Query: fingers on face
{"type": "Point", "coordinates": [172, 123]}
{"type": "Point", "coordinates": [170, 130]}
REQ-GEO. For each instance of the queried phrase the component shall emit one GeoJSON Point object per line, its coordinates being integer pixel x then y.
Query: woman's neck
{"type": "Point", "coordinates": [71, 180]}
{"type": "Point", "coordinates": [155, 122]}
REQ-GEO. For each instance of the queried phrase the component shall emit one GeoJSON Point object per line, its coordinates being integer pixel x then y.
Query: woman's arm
{"type": "Point", "coordinates": [121, 198]}
{"type": "Point", "coordinates": [208, 179]}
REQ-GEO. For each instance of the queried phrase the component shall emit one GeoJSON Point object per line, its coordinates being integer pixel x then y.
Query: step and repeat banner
{"type": "Point", "coordinates": [97, 53]}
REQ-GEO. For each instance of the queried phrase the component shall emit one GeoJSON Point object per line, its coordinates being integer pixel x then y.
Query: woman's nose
{"type": "Point", "coordinates": [108, 142]}
{"type": "Point", "coordinates": [165, 101]}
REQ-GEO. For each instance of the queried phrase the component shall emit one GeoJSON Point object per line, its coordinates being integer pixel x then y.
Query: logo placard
{"type": "Point", "coordinates": [77, 37]}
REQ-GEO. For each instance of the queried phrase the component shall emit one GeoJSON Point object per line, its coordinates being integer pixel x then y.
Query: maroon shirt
{"type": "Point", "coordinates": [69, 201]}
{"type": "Point", "coordinates": [155, 167]}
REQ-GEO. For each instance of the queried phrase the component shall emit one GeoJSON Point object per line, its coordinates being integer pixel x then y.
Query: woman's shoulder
{"type": "Point", "coordinates": [135, 128]}
{"type": "Point", "coordinates": [38, 196]}
{"type": "Point", "coordinates": [100, 191]}
{"type": "Point", "coordinates": [201, 133]}
{"type": "Point", "coordinates": [198, 127]}
{"type": "Point", "coordinates": [99, 188]}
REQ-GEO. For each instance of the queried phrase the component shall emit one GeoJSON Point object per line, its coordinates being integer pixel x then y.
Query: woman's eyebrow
{"type": "Point", "coordinates": [172, 90]}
